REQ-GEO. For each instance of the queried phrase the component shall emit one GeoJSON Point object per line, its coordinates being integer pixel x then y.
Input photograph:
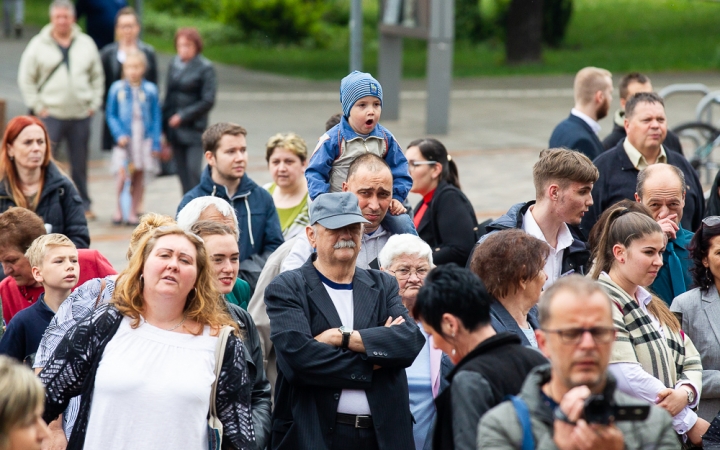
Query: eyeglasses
{"type": "Point", "coordinates": [412, 164]}
{"type": "Point", "coordinates": [601, 335]}
{"type": "Point", "coordinates": [404, 274]}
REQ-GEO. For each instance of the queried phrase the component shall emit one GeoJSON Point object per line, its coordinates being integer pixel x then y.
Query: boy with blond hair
{"type": "Point", "coordinates": [54, 262]}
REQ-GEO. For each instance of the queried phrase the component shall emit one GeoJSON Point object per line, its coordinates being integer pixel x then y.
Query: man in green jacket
{"type": "Point", "coordinates": [577, 336]}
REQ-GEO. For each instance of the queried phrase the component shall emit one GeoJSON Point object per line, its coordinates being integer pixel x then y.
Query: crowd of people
{"type": "Point", "coordinates": [322, 310]}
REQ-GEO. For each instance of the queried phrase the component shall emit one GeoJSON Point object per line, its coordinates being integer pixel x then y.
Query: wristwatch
{"type": "Point", "coordinates": [691, 395]}
{"type": "Point", "coordinates": [346, 332]}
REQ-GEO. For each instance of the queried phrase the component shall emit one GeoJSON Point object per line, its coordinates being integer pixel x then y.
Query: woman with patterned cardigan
{"type": "Point", "coordinates": [652, 358]}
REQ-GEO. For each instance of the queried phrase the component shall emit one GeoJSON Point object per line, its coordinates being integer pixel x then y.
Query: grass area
{"type": "Point", "coordinates": [620, 35]}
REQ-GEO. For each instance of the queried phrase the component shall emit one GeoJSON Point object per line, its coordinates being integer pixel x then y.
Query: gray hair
{"type": "Point", "coordinates": [190, 214]}
{"type": "Point", "coordinates": [648, 171]}
{"type": "Point", "coordinates": [404, 244]}
{"type": "Point", "coordinates": [64, 4]}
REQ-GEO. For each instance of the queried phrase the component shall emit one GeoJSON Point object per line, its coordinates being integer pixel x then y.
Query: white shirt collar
{"type": "Point", "coordinates": [531, 227]}
{"type": "Point", "coordinates": [587, 119]}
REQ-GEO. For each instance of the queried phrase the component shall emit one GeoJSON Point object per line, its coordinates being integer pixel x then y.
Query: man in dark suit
{"type": "Point", "coordinates": [342, 339]}
{"type": "Point", "coordinates": [593, 94]}
{"type": "Point", "coordinates": [630, 85]}
{"type": "Point", "coordinates": [646, 127]}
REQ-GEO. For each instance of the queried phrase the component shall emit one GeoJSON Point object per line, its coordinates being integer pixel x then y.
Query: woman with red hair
{"type": "Point", "coordinates": [190, 95]}
{"type": "Point", "coordinates": [30, 179]}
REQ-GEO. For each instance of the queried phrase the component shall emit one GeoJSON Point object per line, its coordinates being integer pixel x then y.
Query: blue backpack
{"type": "Point", "coordinates": [523, 413]}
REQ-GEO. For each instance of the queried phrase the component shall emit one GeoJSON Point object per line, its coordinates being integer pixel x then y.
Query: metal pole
{"type": "Point", "coordinates": [356, 35]}
{"type": "Point", "coordinates": [390, 74]}
{"type": "Point", "coordinates": [439, 65]}
{"type": "Point", "coordinates": [139, 11]}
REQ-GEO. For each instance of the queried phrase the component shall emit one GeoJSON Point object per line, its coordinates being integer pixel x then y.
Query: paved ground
{"type": "Point", "coordinates": [497, 127]}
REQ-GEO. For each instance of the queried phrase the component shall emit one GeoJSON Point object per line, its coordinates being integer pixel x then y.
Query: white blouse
{"type": "Point", "coordinates": [152, 390]}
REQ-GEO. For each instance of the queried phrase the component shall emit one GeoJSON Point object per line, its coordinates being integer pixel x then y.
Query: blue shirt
{"type": "Point", "coordinates": [422, 404]}
{"type": "Point", "coordinates": [26, 329]}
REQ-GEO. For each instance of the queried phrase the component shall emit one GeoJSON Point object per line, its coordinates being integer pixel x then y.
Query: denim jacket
{"type": "Point", "coordinates": [119, 111]}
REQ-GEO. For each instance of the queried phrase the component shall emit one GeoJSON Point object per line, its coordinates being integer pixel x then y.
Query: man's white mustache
{"type": "Point", "coordinates": [344, 244]}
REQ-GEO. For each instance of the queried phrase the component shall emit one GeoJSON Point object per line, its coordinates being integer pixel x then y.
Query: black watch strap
{"type": "Point", "coordinates": [345, 340]}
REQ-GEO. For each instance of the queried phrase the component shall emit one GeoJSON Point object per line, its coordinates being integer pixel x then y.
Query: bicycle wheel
{"type": "Point", "coordinates": [697, 140]}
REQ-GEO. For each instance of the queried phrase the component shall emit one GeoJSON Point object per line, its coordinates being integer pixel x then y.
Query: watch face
{"type": "Point", "coordinates": [344, 329]}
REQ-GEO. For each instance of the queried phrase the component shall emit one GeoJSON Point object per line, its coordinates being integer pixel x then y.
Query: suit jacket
{"type": "Point", "coordinates": [575, 134]}
{"type": "Point", "coordinates": [190, 92]}
{"type": "Point", "coordinates": [311, 375]}
{"type": "Point", "coordinates": [700, 311]}
{"type": "Point", "coordinates": [448, 225]}
{"type": "Point", "coordinates": [618, 179]}
{"type": "Point", "coordinates": [502, 321]}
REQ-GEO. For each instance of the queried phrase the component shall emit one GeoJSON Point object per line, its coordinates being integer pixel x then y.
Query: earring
{"type": "Point", "coordinates": [191, 294]}
{"type": "Point", "coordinates": [12, 158]}
{"type": "Point", "coordinates": [453, 352]}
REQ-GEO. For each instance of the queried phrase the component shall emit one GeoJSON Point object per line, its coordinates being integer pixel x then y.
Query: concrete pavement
{"type": "Point", "coordinates": [497, 127]}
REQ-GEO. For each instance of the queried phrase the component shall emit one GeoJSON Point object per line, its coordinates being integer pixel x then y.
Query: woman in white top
{"type": "Point", "coordinates": [286, 155]}
{"type": "Point", "coordinates": [144, 362]}
{"type": "Point", "coordinates": [652, 358]}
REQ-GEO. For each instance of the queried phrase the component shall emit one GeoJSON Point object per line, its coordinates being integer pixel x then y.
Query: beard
{"type": "Point", "coordinates": [603, 110]}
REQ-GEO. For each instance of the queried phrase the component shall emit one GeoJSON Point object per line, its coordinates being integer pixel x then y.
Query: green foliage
{"type": "Point", "coordinates": [180, 8]}
{"type": "Point", "coordinates": [277, 21]}
{"type": "Point", "coordinates": [468, 22]}
{"type": "Point", "coordinates": [556, 17]}
{"type": "Point", "coordinates": [163, 26]}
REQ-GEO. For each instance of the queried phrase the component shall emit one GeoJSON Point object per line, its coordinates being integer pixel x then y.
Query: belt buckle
{"type": "Point", "coordinates": [357, 420]}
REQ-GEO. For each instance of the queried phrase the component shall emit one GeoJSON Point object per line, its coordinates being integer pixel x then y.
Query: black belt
{"type": "Point", "coordinates": [356, 421]}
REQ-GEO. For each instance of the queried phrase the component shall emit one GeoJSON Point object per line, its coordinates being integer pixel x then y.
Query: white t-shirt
{"type": "Point", "coordinates": [352, 401]}
{"type": "Point", "coordinates": [152, 390]}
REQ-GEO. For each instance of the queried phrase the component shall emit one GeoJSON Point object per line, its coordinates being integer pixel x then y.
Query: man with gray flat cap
{"type": "Point", "coordinates": [343, 340]}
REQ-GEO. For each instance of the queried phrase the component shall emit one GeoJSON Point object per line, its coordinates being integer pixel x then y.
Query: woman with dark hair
{"type": "Point", "coordinates": [510, 263]}
{"type": "Point", "coordinates": [31, 180]}
{"type": "Point", "coordinates": [700, 308]}
{"type": "Point", "coordinates": [189, 97]}
{"type": "Point", "coordinates": [652, 359]}
{"type": "Point", "coordinates": [454, 309]}
{"type": "Point", "coordinates": [445, 218]}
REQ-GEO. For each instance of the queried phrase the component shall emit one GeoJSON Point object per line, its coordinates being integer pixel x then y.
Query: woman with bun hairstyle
{"type": "Point", "coordinates": [652, 358]}
{"type": "Point", "coordinates": [445, 218]}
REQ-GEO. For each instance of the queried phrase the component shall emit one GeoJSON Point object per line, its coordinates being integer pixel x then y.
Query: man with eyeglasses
{"type": "Point", "coordinates": [577, 337]}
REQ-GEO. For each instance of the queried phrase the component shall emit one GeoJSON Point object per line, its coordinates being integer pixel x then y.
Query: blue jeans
{"type": "Point", "coordinates": [400, 224]}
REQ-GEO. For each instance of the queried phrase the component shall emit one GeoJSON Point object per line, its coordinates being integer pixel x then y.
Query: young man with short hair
{"type": "Point", "coordinates": [563, 184]}
{"type": "Point", "coordinates": [54, 262]}
{"type": "Point", "coordinates": [225, 147]}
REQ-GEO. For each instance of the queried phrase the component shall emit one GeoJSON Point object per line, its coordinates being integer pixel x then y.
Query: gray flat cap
{"type": "Point", "coordinates": [336, 210]}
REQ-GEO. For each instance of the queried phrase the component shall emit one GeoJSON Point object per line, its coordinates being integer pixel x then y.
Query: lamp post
{"type": "Point", "coordinates": [356, 35]}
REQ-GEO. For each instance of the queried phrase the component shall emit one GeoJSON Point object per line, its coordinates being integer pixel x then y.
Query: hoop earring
{"type": "Point", "coordinates": [192, 294]}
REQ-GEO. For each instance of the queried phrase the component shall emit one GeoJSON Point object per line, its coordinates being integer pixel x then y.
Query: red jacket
{"type": "Point", "coordinates": [15, 298]}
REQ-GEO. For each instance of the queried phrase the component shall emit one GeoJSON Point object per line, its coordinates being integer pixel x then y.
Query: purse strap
{"type": "Point", "coordinates": [219, 355]}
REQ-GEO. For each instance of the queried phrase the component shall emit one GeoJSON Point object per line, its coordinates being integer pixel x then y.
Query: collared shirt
{"type": "Point", "coordinates": [637, 158]}
{"type": "Point", "coordinates": [553, 263]}
{"type": "Point", "coordinates": [421, 211]}
{"type": "Point", "coordinates": [587, 119]}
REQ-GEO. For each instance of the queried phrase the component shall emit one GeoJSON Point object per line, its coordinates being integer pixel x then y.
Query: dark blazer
{"type": "Point", "coordinates": [311, 375]}
{"type": "Point", "coordinates": [190, 92]}
{"type": "Point", "coordinates": [618, 133]}
{"type": "Point", "coordinates": [575, 134]}
{"type": "Point", "coordinates": [113, 73]}
{"type": "Point", "coordinates": [618, 178]}
{"type": "Point", "coordinates": [502, 321]}
{"type": "Point", "coordinates": [448, 225]}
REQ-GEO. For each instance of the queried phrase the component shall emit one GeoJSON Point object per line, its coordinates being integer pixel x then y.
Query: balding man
{"type": "Point", "coordinates": [370, 179]}
{"type": "Point", "coordinates": [630, 85]}
{"type": "Point", "coordinates": [593, 94]}
{"type": "Point", "coordinates": [646, 127]}
{"type": "Point", "coordinates": [661, 188]}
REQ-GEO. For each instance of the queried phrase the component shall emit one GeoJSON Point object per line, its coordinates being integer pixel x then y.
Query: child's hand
{"type": "Point", "coordinates": [123, 141]}
{"type": "Point", "coordinates": [396, 207]}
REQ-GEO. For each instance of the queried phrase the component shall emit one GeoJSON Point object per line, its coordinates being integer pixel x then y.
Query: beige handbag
{"type": "Point", "coordinates": [215, 427]}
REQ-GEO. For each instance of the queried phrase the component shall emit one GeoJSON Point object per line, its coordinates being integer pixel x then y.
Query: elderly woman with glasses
{"type": "Point", "coordinates": [409, 259]}
{"type": "Point", "coordinates": [699, 309]}
{"type": "Point", "coordinates": [652, 358]}
{"type": "Point", "coordinates": [510, 263]}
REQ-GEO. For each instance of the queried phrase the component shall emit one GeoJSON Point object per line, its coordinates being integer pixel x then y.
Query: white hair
{"type": "Point", "coordinates": [404, 244]}
{"type": "Point", "coordinates": [63, 4]}
{"type": "Point", "coordinates": [190, 214]}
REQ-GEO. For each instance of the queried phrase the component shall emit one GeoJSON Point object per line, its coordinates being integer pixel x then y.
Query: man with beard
{"type": "Point", "coordinates": [225, 149]}
{"type": "Point", "coordinates": [563, 184]}
{"type": "Point", "coordinates": [577, 337]}
{"type": "Point", "coordinates": [646, 127]}
{"type": "Point", "coordinates": [343, 340]}
{"type": "Point", "coordinates": [593, 93]}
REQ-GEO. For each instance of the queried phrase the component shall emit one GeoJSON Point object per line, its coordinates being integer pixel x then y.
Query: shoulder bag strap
{"type": "Point", "coordinates": [52, 72]}
{"type": "Point", "coordinates": [528, 440]}
{"type": "Point", "coordinates": [219, 354]}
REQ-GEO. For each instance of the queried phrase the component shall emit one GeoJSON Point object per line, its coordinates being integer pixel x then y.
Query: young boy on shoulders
{"type": "Point", "coordinates": [54, 262]}
{"type": "Point", "coordinates": [360, 132]}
